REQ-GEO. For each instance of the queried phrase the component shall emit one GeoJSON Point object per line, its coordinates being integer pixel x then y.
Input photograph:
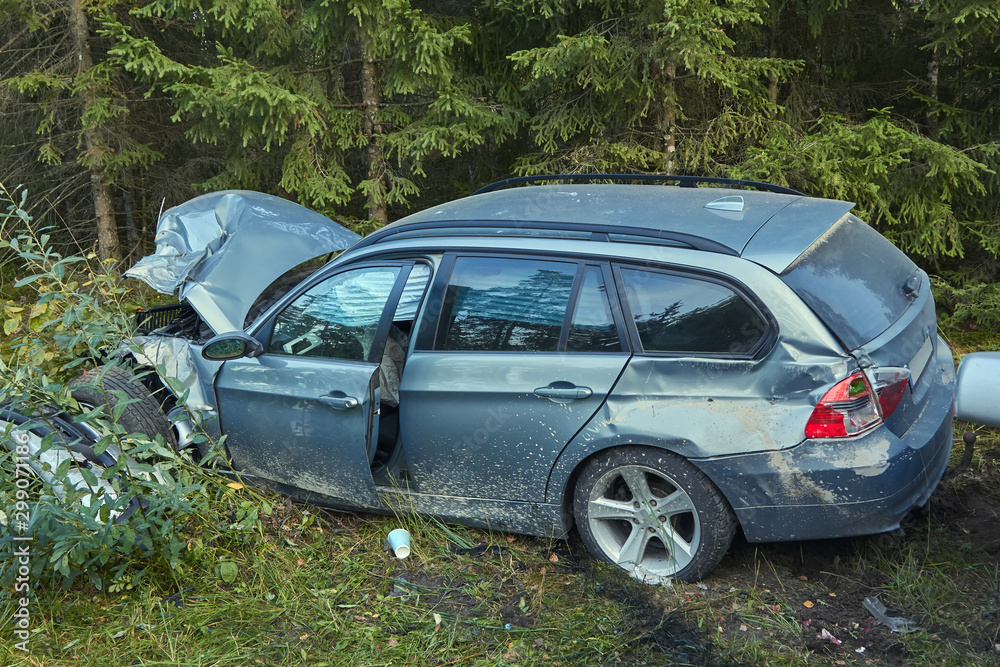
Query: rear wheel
{"type": "Point", "coordinates": [653, 514]}
{"type": "Point", "coordinates": [98, 386]}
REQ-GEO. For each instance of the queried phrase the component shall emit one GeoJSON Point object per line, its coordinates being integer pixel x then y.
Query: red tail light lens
{"type": "Point", "coordinates": [890, 385]}
{"type": "Point", "coordinates": [848, 408]}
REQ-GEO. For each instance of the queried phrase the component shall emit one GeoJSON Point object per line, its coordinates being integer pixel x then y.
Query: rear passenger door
{"type": "Point", "coordinates": [521, 354]}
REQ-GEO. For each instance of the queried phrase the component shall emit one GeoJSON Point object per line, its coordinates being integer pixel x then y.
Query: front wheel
{"type": "Point", "coordinates": [107, 385]}
{"type": "Point", "coordinates": [653, 514]}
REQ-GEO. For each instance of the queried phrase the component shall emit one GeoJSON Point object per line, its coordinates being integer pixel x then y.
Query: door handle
{"type": "Point", "coordinates": [338, 400]}
{"type": "Point", "coordinates": [565, 391]}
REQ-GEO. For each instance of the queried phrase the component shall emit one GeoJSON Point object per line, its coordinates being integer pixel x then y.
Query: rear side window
{"type": "Point", "coordinates": [593, 327]}
{"type": "Point", "coordinates": [852, 278]}
{"type": "Point", "coordinates": [506, 305]}
{"type": "Point", "coordinates": [684, 315]}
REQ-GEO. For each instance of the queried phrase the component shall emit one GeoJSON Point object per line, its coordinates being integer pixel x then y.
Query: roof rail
{"type": "Point", "coordinates": [683, 181]}
{"type": "Point", "coordinates": [690, 240]}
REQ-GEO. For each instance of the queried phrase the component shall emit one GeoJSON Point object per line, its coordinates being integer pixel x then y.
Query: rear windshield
{"type": "Point", "coordinates": [852, 278]}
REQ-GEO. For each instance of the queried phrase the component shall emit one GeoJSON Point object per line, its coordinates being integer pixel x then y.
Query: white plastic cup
{"type": "Point", "coordinates": [399, 542]}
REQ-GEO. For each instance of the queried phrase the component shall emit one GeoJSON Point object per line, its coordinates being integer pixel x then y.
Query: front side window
{"type": "Point", "coordinates": [336, 318]}
{"type": "Point", "coordinates": [505, 305]}
{"type": "Point", "coordinates": [681, 315]}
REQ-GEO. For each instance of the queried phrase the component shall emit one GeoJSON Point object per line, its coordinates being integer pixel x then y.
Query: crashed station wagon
{"type": "Point", "coordinates": [659, 361]}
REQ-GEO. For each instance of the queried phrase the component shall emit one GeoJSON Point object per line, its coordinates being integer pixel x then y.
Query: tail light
{"type": "Point", "coordinates": [890, 385]}
{"type": "Point", "coordinates": [847, 409]}
{"type": "Point", "coordinates": [857, 404]}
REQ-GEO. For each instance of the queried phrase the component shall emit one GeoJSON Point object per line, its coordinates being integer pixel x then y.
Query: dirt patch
{"type": "Point", "coordinates": [969, 514]}
{"type": "Point", "coordinates": [809, 595]}
{"type": "Point", "coordinates": [435, 593]}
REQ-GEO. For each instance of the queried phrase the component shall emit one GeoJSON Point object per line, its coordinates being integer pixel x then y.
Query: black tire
{"type": "Point", "coordinates": [96, 387]}
{"type": "Point", "coordinates": [653, 514]}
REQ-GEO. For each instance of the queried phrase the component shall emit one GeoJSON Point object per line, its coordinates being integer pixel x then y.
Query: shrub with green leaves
{"type": "Point", "coordinates": [111, 523]}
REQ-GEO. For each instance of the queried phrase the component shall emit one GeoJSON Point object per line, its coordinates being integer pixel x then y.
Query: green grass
{"type": "Point", "coordinates": [314, 587]}
{"type": "Point", "coordinates": [318, 588]}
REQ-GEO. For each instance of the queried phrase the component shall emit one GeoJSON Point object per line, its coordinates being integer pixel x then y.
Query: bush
{"type": "Point", "coordinates": [110, 523]}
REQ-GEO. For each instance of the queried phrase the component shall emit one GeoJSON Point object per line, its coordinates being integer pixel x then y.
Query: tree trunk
{"type": "Point", "coordinates": [772, 79]}
{"type": "Point", "coordinates": [107, 229]}
{"type": "Point", "coordinates": [370, 100]}
{"type": "Point", "coordinates": [932, 92]}
{"type": "Point", "coordinates": [134, 253]}
{"type": "Point", "coordinates": [668, 122]}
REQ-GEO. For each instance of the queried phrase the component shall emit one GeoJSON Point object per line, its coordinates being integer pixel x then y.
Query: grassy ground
{"type": "Point", "coordinates": [318, 588]}
{"type": "Point", "coordinates": [313, 587]}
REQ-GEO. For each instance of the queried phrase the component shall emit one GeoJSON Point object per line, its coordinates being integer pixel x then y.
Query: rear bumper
{"type": "Point", "coordinates": [839, 488]}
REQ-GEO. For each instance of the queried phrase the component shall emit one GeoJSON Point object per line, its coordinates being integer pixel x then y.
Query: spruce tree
{"type": "Point", "coordinates": [625, 85]}
{"type": "Point", "coordinates": [327, 102]}
{"type": "Point", "coordinates": [55, 78]}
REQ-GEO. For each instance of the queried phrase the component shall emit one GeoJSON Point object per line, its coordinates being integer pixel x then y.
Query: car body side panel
{"type": "Point", "coordinates": [181, 359]}
{"type": "Point", "coordinates": [525, 518]}
{"type": "Point", "coordinates": [279, 427]}
{"type": "Point", "coordinates": [701, 407]}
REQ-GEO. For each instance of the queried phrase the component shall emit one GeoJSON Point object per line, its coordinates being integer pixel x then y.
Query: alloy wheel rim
{"type": "Point", "coordinates": [644, 522]}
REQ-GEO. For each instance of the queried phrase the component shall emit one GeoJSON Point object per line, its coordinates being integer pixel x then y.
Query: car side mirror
{"type": "Point", "coordinates": [232, 345]}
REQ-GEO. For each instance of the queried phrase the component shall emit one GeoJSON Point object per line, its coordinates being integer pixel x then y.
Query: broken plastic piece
{"type": "Point", "coordinates": [826, 636]}
{"type": "Point", "coordinates": [894, 623]}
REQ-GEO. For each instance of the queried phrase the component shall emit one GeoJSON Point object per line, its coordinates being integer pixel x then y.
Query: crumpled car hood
{"type": "Point", "coordinates": [220, 250]}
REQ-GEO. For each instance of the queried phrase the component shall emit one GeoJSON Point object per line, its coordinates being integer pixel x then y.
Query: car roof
{"type": "Point", "coordinates": [716, 219]}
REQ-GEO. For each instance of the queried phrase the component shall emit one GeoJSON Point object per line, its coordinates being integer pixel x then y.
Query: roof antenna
{"type": "Point", "coordinates": [160, 214]}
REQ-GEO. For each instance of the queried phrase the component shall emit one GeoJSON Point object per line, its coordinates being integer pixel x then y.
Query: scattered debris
{"type": "Point", "coordinates": [825, 635]}
{"type": "Point", "coordinates": [895, 623]}
{"type": "Point", "coordinates": [398, 542]}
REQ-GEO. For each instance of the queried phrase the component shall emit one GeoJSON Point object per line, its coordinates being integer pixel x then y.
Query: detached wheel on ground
{"type": "Point", "coordinates": [24, 436]}
{"type": "Point", "coordinates": [653, 514]}
{"type": "Point", "coordinates": [98, 386]}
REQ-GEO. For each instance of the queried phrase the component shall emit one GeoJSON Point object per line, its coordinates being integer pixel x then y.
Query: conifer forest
{"type": "Point", "coordinates": [366, 110]}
